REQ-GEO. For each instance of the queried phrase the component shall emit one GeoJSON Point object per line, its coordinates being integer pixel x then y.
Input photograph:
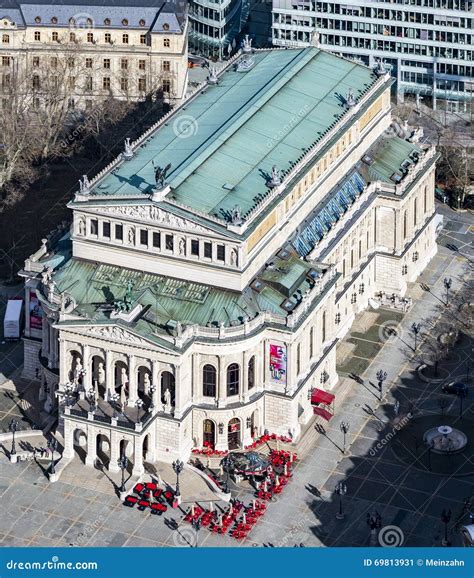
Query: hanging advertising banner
{"type": "Point", "coordinates": [36, 313]}
{"type": "Point", "coordinates": [278, 362]}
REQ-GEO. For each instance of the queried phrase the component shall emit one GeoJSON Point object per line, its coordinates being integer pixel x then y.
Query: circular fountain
{"type": "Point", "coordinates": [445, 439]}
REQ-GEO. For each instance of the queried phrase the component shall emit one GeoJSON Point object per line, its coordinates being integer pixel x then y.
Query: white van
{"type": "Point", "coordinates": [13, 319]}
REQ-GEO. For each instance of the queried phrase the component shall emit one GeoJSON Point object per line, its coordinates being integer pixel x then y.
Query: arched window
{"type": "Point", "coordinates": [167, 382]}
{"type": "Point", "coordinates": [209, 381]}
{"type": "Point", "coordinates": [233, 379]}
{"type": "Point", "coordinates": [251, 372]}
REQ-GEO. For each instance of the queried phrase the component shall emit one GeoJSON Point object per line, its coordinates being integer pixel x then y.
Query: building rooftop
{"type": "Point", "coordinates": [222, 144]}
{"type": "Point", "coordinates": [148, 15]}
{"type": "Point", "coordinates": [166, 301]}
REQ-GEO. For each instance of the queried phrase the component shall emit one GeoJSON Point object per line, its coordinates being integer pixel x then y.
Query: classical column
{"type": "Point", "coordinates": [138, 468]}
{"type": "Point", "coordinates": [114, 451]}
{"type": "Point", "coordinates": [221, 384]}
{"type": "Point", "coordinates": [63, 369]}
{"type": "Point", "coordinates": [244, 389]}
{"type": "Point", "coordinates": [177, 391]}
{"type": "Point", "coordinates": [132, 381]}
{"type": "Point", "coordinates": [68, 441]}
{"type": "Point", "coordinates": [86, 364]}
{"type": "Point", "coordinates": [91, 447]}
{"type": "Point", "coordinates": [109, 374]}
{"type": "Point", "coordinates": [155, 380]}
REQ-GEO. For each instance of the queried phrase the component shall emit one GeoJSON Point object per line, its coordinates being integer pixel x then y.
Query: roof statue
{"type": "Point", "coordinates": [212, 78]}
{"type": "Point", "coordinates": [160, 175]}
{"type": "Point", "coordinates": [350, 98]}
{"type": "Point", "coordinates": [380, 68]}
{"type": "Point", "coordinates": [236, 216]}
{"type": "Point", "coordinates": [315, 38]}
{"type": "Point", "coordinates": [247, 44]}
{"type": "Point", "coordinates": [84, 185]}
{"type": "Point", "coordinates": [275, 177]}
{"type": "Point", "coordinates": [127, 151]}
{"type": "Point", "coordinates": [125, 305]}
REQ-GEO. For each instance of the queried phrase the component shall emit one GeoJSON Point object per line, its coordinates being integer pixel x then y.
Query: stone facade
{"type": "Point", "coordinates": [200, 383]}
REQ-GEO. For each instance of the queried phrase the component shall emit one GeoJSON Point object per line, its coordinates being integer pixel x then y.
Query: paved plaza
{"type": "Point", "coordinates": [386, 467]}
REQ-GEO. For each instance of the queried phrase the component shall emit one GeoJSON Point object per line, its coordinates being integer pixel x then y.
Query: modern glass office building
{"type": "Point", "coordinates": [215, 25]}
{"type": "Point", "coordinates": [428, 44]}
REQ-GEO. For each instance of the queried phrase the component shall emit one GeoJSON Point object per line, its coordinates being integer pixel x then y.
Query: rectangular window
{"type": "Point", "coordinates": [54, 62]}
{"type": "Point", "coordinates": [221, 252]}
{"type": "Point", "coordinates": [36, 61]}
{"type": "Point", "coordinates": [108, 37]}
{"type": "Point", "coordinates": [208, 250]}
{"type": "Point", "coordinates": [169, 242]}
{"type": "Point", "coordinates": [195, 247]}
{"type": "Point", "coordinates": [106, 83]}
{"type": "Point", "coordinates": [142, 38]}
{"type": "Point", "coordinates": [125, 38]}
{"type": "Point", "coordinates": [88, 82]}
{"type": "Point", "coordinates": [143, 237]}
{"type": "Point", "coordinates": [119, 232]}
{"type": "Point", "coordinates": [124, 84]}
{"type": "Point", "coordinates": [90, 37]}
{"type": "Point", "coordinates": [37, 36]}
{"type": "Point", "coordinates": [107, 63]}
{"type": "Point", "coordinates": [72, 37]}
{"type": "Point", "coordinates": [124, 64]}
{"type": "Point", "coordinates": [166, 42]}
{"type": "Point", "coordinates": [166, 65]}
{"type": "Point", "coordinates": [141, 64]}
{"type": "Point", "coordinates": [88, 62]}
{"type": "Point", "coordinates": [94, 227]}
{"type": "Point", "coordinates": [166, 86]}
{"type": "Point", "coordinates": [55, 36]}
{"type": "Point", "coordinates": [106, 229]}
{"type": "Point", "coordinates": [142, 84]}
{"type": "Point", "coordinates": [157, 240]}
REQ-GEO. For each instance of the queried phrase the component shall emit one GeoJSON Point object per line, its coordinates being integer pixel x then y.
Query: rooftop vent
{"type": "Point", "coordinates": [368, 160]}
{"type": "Point", "coordinates": [396, 178]}
{"type": "Point", "coordinates": [257, 285]}
{"type": "Point", "coordinates": [288, 305]}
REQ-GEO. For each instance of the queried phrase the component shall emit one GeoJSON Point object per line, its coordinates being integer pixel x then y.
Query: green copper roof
{"type": "Point", "coordinates": [95, 287]}
{"type": "Point", "coordinates": [223, 144]}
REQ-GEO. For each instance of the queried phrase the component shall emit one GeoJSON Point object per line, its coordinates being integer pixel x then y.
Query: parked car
{"type": "Point", "coordinates": [455, 388]}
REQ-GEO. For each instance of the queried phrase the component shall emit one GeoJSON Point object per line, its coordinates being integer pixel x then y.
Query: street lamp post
{"type": "Point", "coordinates": [447, 284]}
{"type": "Point", "coordinates": [381, 377]}
{"type": "Point", "coordinates": [445, 518]}
{"type": "Point", "coordinates": [123, 465]}
{"type": "Point", "coordinates": [53, 446]}
{"type": "Point", "coordinates": [226, 463]}
{"type": "Point", "coordinates": [374, 521]}
{"type": "Point", "coordinates": [196, 524]}
{"type": "Point", "coordinates": [341, 490]}
{"type": "Point", "coordinates": [344, 427]}
{"type": "Point", "coordinates": [114, 399]}
{"type": "Point", "coordinates": [178, 466]}
{"type": "Point", "coordinates": [13, 427]}
{"type": "Point", "coordinates": [461, 395]}
{"type": "Point", "coordinates": [416, 327]}
{"type": "Point", "coordinates": [138, 405]}
{"type": "Point", "coordinates": [151, 392]}
{"type": "Point", "coordinates": [430, 447]}
{"type": "Point", "coordinates": [68, 389]}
